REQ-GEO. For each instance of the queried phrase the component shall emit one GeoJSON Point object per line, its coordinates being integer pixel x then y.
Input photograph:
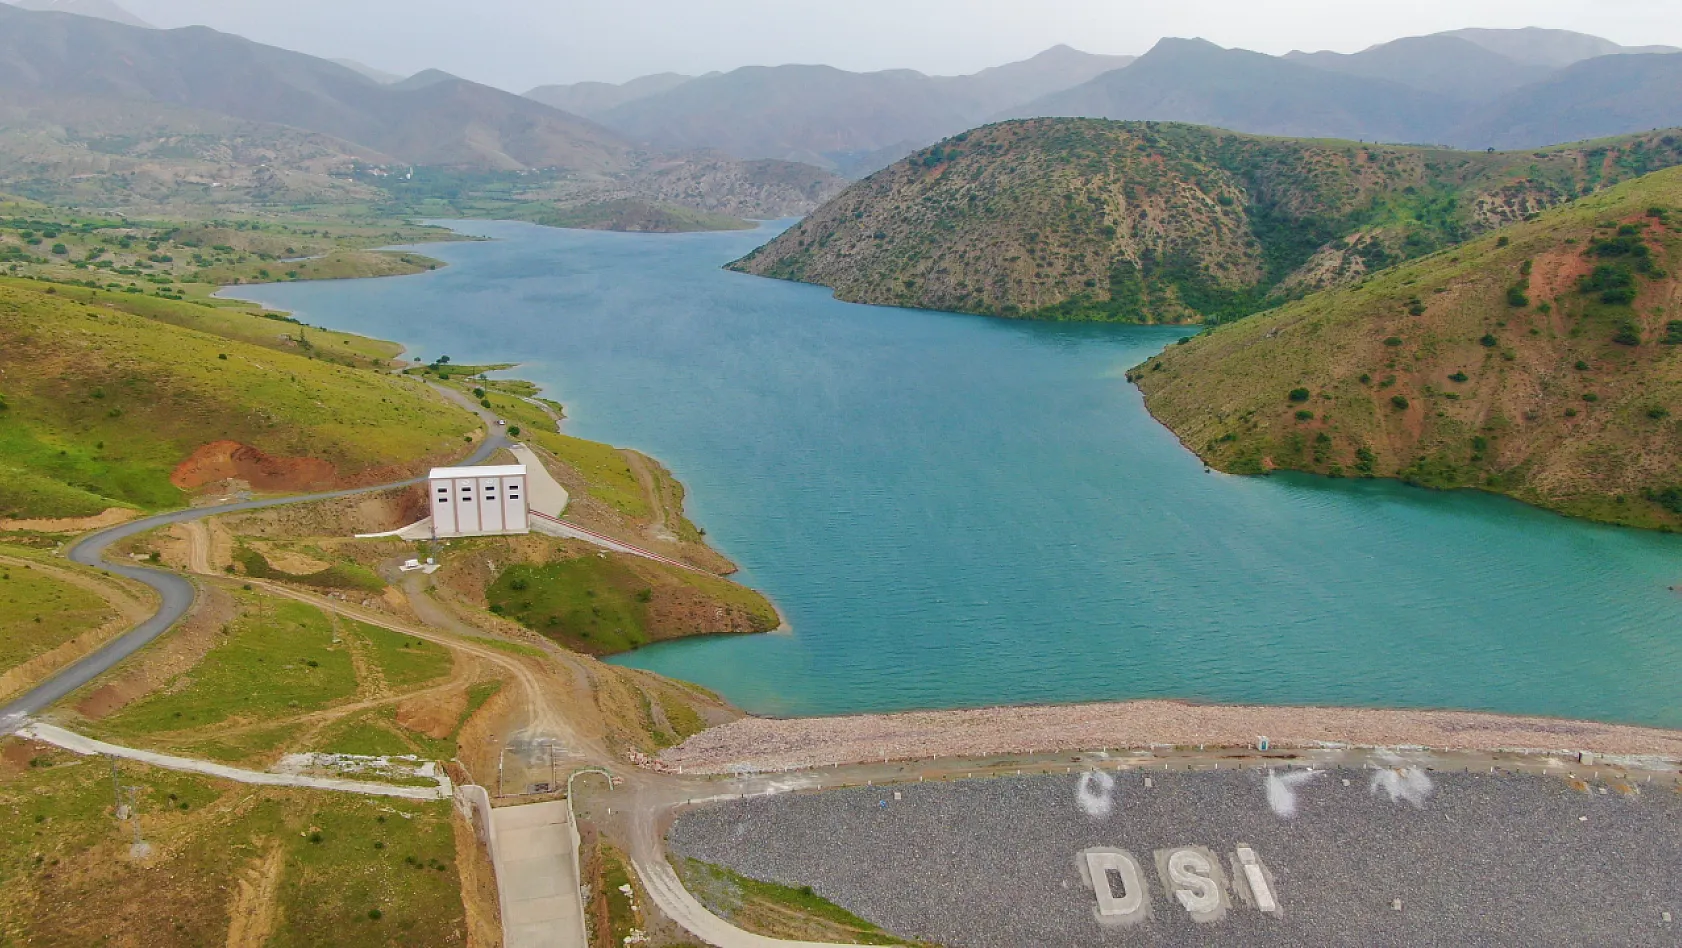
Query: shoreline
{"type": "Point", "coordinates": [756, 744]}
{"type": "Point", "coordinates": [1061, 727]}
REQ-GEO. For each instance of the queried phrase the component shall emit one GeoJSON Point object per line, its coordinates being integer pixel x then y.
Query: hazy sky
{"type": "Point", "coordinates": [517, 44]}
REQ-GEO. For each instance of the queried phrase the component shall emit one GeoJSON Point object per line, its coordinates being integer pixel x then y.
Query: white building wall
{"type": "Point", "coordinates": [468, 522]}
{"type": "Point", "coordinates": [514, 505]}
{"type": "Point", "coordinates": [490, 504]}
{"type": "Point", "coordinates": [443, 508]}
{"type": "Point", "coordinates": [479, 506]}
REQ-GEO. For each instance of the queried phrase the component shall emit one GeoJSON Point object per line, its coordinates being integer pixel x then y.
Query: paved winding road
{"type": "Point", "coordinates": [175, 590]}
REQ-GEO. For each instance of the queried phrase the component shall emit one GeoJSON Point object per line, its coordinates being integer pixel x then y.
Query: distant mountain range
{"type": "Point", "coordinates": [847, 121]}
{"type": "Point", "coordinates": [1468, 88]}
{"type": "Point", "coordinates": [90, 96]}
{"type": "Point", "coordinates": [99, 9]}
{"type": "Point", "coordinates": [1443, 89]}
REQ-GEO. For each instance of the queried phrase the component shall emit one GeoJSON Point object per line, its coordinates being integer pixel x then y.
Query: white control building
{"type": "Point", "coordinates": [478, 501]}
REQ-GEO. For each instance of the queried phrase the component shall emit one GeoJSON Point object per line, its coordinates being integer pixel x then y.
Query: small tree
{"type": "Point", "coordinates": [1300, 395]}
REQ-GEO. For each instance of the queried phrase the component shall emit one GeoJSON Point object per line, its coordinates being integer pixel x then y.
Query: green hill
{"type": "Point", "coordinates": [1544, 362]}
{"type": "Point", "coordinates": [1148, 222]}
{"type": "Point", "coordinates": [104, 396]}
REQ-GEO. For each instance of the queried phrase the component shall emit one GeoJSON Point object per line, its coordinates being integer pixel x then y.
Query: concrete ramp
{"type": "Point", "coordinates": [535, 848]}
{"type": "Point", "coordinates": [544, 494]}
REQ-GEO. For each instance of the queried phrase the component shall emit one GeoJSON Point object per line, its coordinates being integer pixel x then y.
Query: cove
{"type": "Point", "coordinates": [955, 511]}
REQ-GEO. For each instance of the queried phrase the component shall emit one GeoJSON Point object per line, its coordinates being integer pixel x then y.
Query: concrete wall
{"type": "Point", "coordinates": [479, 506]}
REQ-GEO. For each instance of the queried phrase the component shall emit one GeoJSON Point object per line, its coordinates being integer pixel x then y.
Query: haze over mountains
{"type": "Point", "coordinates": [1441, 89]}
{"type": "Point", "coordinates": [1467, 88]}
{"type": "Point", "coordinates": [846, 121]}
{"type": "Point", "coordinates": [88, 95]}
{"type": "Point", "coordinates": [99, 9]}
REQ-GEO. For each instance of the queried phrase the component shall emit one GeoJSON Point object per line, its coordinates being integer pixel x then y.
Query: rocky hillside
{"type": "Point", "coordinates": [1543, 362]}
{"type": "Point", "coordinates": [1148, 222]}
{"type": "Point", "coordinates": [766, 189]}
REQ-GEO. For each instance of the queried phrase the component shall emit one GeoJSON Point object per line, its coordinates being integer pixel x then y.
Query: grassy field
{"type": "Point", "coordinates": [1543, 362]}
{"type": "Point", "coordinates": [337, 265]}
{"type": "Point", "coordinates": [99, 406]}
{"type": "Point", "coordinates": [778, 911]}
{"type": "Point", "coordinates": [279, 658]}
{"type": "Point", "coordinates": [302, 868]}
{"type": "Point", "coordinates": [403, 661]}
{"type": "Point", "coordinates": [607, 604]}
{"type": "Point", "coordinates": [240, 321]}
{"type": "Point", "coordinates": [335, 576]}
{"type": "Point", "coordinates": [38, 612]}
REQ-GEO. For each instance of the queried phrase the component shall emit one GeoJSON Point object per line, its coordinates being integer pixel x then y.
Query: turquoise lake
{"type": "Point", "coordinates": [956, 511]}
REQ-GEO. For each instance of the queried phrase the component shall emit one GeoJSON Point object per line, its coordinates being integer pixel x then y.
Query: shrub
{"type": "Point", "coordinates": [1399, 402]}
{"type": "Point", "coordinates": [1628, 335]}
{"type": "Point", "coordinates": [1673, 333]}
{"type": "Point", "coordinates": [1393, 341]}
{"type": "Point", "coordinates": [1300, 395]}
{"type": "Point", "coordinates": [1502, 241]}
{"type": "Point", "coordinates": [1458, 377]}
{"type": "Point", "coordinates": [1658, 413]}
{"type": "Point", "coordinates": [1590, 397]}
{"type": "Point", "coordinates": [1670, 499]}
{"type": "Point", "coordinates": [1489, 341]}
{"type": "Point", "coordinates": [1517, 297]}
{"type": "Point", "coordinates": [1364, 460]}
{"type": "Point", "coordinates": [1305, 415]}
{"type": "Point", "coordinates": [1582, 366]}
{"type": "Point", "coordinates": [514, 431]}
{"type": "Point", "coordinates": [1614, 282]}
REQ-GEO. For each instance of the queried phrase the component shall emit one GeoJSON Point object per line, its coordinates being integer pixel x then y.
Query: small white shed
{"type": "Point", "coordinates": [478, 501]}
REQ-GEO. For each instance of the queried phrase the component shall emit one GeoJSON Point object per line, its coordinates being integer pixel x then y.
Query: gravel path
{"type": "Point", "coordinates": [1473, 859]}
{"type": "Point", "coordinates": [87, 746]}
{"type": "Point", "coordinates": [764, 744]}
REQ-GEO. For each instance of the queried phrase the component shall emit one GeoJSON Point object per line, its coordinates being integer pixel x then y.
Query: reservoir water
{"type": "Point", "coordinates": [956, 511]}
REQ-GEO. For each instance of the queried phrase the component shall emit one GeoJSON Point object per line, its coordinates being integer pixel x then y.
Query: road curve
{"type": "Point", "coordinates": [175, 591]}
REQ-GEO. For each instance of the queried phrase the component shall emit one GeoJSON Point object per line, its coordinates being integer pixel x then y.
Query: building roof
{"type": "Point", "coordinates": [488, 470]}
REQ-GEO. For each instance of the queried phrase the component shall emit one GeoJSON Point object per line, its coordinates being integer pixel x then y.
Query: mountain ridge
{"type": "Point", "coordinates": [850, 122]}
{"type": "Point", "coordinates": [1160, 222]}
{"type": "Point", "coordinates": [449, 123]}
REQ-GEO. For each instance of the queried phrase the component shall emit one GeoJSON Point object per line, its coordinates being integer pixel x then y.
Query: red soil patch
{"type": "Point", "coordinates": [230, 460]}
{"type": "Point", "coordinates": [1556, 273]}
{"type": "Point", "coordinates": [435, 716]}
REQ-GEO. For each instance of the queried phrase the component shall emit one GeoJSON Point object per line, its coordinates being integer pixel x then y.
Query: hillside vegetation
{"type": "Point", "coordinates": [1147, 222]}
{"type": "Point", "coordinates": [100, 406]}
{"type": "Point", "coordinates": [1544, 362]}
